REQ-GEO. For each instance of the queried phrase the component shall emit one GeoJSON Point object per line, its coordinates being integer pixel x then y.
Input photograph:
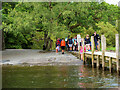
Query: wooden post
{"type": "Point", "coordinates": [98, 60]}
{"type": "Point", "coordinates": [103, 51]}
{"type": "Point", "coordinates": [101, 42]}
{"type": "Point", "coordinates": [78, 40]}
{"type": "Point", "coordinates": [1, 46]}
{"type": "Point", "coordinates": [92, 41]}
{"type": "Point", "coordinates": [83, 52]}
{"type": "Point", "coordinates": [99, 45]}
{"type": "Point", "coordinates": [98, 71]}
{"type": "Point", "coordinates": [1, 40]}
{"type": "Point", "coordinates": [110, 64]}
{"type": "Point", "coordinates": [117, 52]}
{"type": "Point", "coordinates": [105, 43]}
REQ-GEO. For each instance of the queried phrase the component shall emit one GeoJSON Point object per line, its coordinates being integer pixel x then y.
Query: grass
{"type": "Point", "coordinates": [109, 49]}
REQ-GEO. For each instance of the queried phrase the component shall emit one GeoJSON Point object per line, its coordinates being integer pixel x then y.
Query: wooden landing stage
{"type": "Point", "coordinates": [109, 59]}
{"type": "Point", "coordinates": [107, 54]}
{"type": "Point", "coordinates": [106, 59]}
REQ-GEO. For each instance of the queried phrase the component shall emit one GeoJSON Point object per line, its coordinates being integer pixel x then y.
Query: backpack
{"type": "Point", "coordinates": [58, 42]}
{"type": "Point", "coordinates": [70, 41]}
{"type": "Point", "coordinates": [75, 43]}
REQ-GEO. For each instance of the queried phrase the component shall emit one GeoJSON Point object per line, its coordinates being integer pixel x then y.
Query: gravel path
{"type": "Point", "coordinates": [37, 57]}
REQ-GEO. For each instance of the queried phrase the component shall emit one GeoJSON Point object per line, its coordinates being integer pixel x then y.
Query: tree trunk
{"type": "Point", "coordinates": [48, 44]}
{"type": "Point", "coordinates": [45, 39]}
{"type": "Point", "coordinates": [48, 47]}
{"type": "Point", "coordinates": [1, 39]}
{"type": "Point", "coordinates": [119, 32]}
{"type": "Point", "coordinates": [51, 42]}
{"type": "Point", "coordinates": [2, 42]}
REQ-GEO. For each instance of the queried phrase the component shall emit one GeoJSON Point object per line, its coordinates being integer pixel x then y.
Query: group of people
{"type": "Point", "coordinates": [87, 43]}
{"type": "Point", "coordinates": [71, 44]}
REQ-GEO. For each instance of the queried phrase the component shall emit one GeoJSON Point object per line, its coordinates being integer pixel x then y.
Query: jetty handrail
{"type": "Point", "coordinates": [103, 50]}
{"type": "Point", "coordinates": [103, 47]}
{"type": "Point", "coordinates": [117, 51]}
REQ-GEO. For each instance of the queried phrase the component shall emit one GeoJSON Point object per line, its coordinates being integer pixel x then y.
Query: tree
{"type": "Point", "coordinates": [32, 25]}
{"type": "Point", "coordinates": [109, 31]}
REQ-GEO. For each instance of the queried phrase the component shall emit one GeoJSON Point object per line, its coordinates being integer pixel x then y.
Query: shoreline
{"type": "Point", "coordinates": [38, 57]}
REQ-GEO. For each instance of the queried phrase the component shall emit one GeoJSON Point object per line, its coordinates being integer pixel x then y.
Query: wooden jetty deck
{"type": "Point", "coordinates": [110, 58]}
{"type": "Point", "coordinates": [107, 54]}
{"type": "Point", "coordinates": [102, 57]}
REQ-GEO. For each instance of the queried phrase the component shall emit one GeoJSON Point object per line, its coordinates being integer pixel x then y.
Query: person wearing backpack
{"type": "Point", "coordinates": [57, 45]}
{"type": "Point", "coordinates": [96, 38]}
{"type": "Point", "coordinates": [87, 42]}
{"type": "Point", "coordinates": [63, 45]}
{"type": "Point", "coordinates": [74, 45]}
{"type": "Point", "coordinates": [70, 43]}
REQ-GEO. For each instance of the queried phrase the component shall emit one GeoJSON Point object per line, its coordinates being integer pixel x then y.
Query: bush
{"type": "Point", "coordinates": [108, 31]}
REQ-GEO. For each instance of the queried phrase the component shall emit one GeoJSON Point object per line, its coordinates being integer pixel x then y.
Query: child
{"type": "Point", "coordinates": [81, 49]}
{"type": "Point", "coordinates": [57, 49]}
{"type": "Point", "coordinates": [57, 45]}
{"type": "Point", "coordinates": [62, 45]}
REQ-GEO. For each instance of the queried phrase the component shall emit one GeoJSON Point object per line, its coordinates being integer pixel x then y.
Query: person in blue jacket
{"type": "Point", "coordinates": [96, 38]}
{"type": "Point", "coordinates": [70, 43]}
{"type": "Point", "coordinates": [87, 42]}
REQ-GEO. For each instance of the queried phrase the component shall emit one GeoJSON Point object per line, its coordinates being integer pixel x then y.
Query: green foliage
{"type": "Point", "coordinates": [111, 49]}
{"type": "Point", "coordinates": [37, 40]}
{"type": "Point", "coordinates": [109, 31]}
{"type": "Point", "coordinates": [88, 31]}
{"type": "Point", "coordinates": [31, 25]}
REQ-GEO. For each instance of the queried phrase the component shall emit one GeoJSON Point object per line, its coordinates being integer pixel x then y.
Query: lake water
{"type": "Point", "coordinates": [69, 76]}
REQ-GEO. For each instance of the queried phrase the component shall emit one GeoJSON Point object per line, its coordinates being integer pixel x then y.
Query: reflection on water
{"type": "Point", "coordinates": [57, 77]}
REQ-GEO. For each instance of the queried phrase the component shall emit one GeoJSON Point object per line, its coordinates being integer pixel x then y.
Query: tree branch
{"type": "Point", "coordinates": [63, 10]}
{"type": "Point", "coordinates": [74, 26]}
{"type": "Point", "coordinates": [50, 5]}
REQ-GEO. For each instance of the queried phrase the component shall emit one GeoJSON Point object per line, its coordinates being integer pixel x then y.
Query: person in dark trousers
{"type": "Point", "coordinates": [66, 42]}
{"type": "Point", "coordinates": [74, 45]}
{"type": "Point", "coordinates": [63, 45]}
{"type": "Point", "coordinates": [96, 38]}
{"type": "Point", "coordinates": [87, 42]}
{"type": "Point", "coordinates": [70, 43]}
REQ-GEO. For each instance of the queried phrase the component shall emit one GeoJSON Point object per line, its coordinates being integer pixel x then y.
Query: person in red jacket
{"type": "Point", "coordinates": [63, 45]}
